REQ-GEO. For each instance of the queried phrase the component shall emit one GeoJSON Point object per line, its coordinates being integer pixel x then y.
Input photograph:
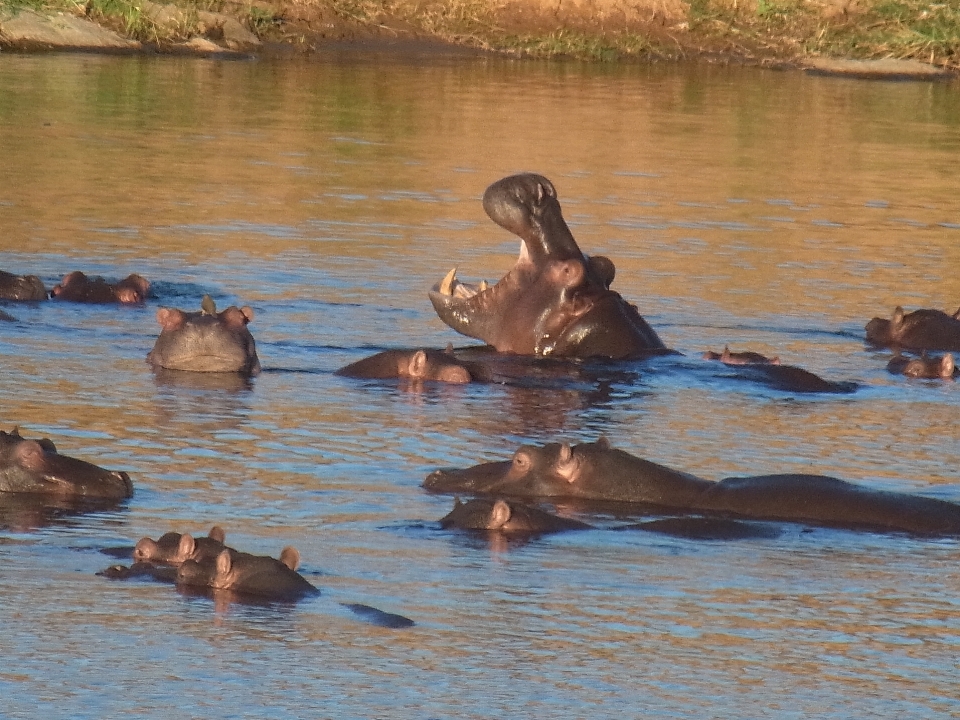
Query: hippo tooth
{"type": "Point", "coordinates": [446, 286]}
{"type": "Point", "coordinates": [482, 286]}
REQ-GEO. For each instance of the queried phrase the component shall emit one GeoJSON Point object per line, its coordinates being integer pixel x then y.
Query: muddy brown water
{"type": "Point", "coordinates": [771, 211]}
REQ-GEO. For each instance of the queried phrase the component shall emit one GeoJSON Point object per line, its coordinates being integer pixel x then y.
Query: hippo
{"type": "Point", "coordinates": [922, 329]}
{"type": "Point", "coordinates": [740, 358]}
{"type": "Point", "coordinates": [417, 365]}
{"type": "Point", "coordinates": [77, 287]}
{"type": "Point", "coordinates": [206, 341]}
{"type": "Point", "coordinates": [172, 548]}
{"type": "Point", "coordinates": [21, 287]}
{"type": "Point", "coordinates": [253, 575]}
{"type": "Point", "coordinates": [941, 366]}
{"type": "Point", "coordinates": [597, 472]}
{"type": "Point", "coordinates": [505, 516]}
{"type": "Point", "coordinates": [555, 301]}
{"type": "Point", "coordinates": [35, 466]}
{"type": "Point", "coordinates": [141, 571]}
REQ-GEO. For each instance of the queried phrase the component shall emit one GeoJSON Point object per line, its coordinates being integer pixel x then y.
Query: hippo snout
{"type": "Point", "coordinates": [127, 482]}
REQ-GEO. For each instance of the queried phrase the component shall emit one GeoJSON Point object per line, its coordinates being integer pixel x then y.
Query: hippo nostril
{"type": "Point", "coordinates": [125, 479]}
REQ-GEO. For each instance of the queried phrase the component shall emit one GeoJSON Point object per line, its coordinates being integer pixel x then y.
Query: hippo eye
{"type": "Point", "coordinates": [521, 461]}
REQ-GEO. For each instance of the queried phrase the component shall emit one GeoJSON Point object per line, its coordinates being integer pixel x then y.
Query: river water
{"type": "Point", "coordinates": [772, 211]}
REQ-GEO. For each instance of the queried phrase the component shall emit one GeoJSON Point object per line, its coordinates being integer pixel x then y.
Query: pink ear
{"type": "Point", "coordinates": [217, 533]}
{"type": "Point", "coordinates": [186, 547]}
{"type": "Point", "coordinates": [234, 317]}
{"type": "Point", "coordinates": [224, 563]}
{"type": "Point", "coordinates": [499, 516]}
{"type": "Point", "coordinates": [170, 318]}
{"type": "Point", "coordinates": [290, 557]}
{"type": "Point", "coordinates": [29, 455]}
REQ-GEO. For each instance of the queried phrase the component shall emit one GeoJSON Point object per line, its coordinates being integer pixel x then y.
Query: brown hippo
{"type": "Point", "coordinates": [206, 341]}
{"type": "Point", "coordinates": [740, 358]}
{"type": "Point", "coordinates": [254, 575]}
{"type": "Point", "coordinates": [77, 287]}
{"type": "Point", "coordinates": [505, 516]}
{"type": "Point", "coordinates": [35, 466]}
{"type": "Point", "coordinates": [418, 365]}
{"type": "Point", "coordinates": [555, 301]}
{"type": "Point", "coordinates": [599, 473]}
{"type": "Point", "coordinates": [941, 366]}
{"type": "Point", "coordinates": [922, 329]}
{"type": "Point", "coordinates": [172, 548]}
{"type": "Point", "coordinates": [21, 287]}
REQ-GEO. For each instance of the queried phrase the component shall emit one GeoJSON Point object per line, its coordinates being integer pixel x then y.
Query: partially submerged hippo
{"type": "Point", "coordinates": [417, 365]}
{"type": "Point", "coordinates": [77, 287]}
{"type": "Point", "coordinates": [598, 472]}
{"type": "Point", "coordinates": [206, 341]}
{"type": "Point", "coordinates": [555, 301]}
{"type": "Point", "coordinates": [35, 466]}
{"type": "Point", "coordinates": [740, 358]}
{"type": "Point", "coordinates": [505, 516]}
{"type": "Point", "coordinates": [21, 287]}
{"type": "Point", "coordinates": [173, 548]}
{"type": "Point", "coordinates": [922, 329]}
{"type": "Point", "coordinates": [254, 575]}
{"type": "Point", "coordinates": [937, 366]}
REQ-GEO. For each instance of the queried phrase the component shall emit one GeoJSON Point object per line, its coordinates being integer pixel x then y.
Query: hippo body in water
{"type": "Point", "coordinates": [21, 287]}
{"type": "Point", "coordinates": [258, 576]}
{"type": "Point", "coordinates": [35, 466]}
{"type": "Point", "coordinates": [922, 329]}
{"type": "Point", "coordinates": [415, 365]}
{"type": "Point", "coordinates": [597, 472]}
{"type": "Point", "coordinates": [77, 287]}
{"type": "Point", "coordinates": [935, 367]}
{"type": "Point", "coordinates": [206, 341]}
{"type": "Point", "coordinates": [555, 301]}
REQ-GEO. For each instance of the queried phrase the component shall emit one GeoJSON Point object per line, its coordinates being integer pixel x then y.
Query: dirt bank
{"type": "Point", "coordinates": [752, 31]}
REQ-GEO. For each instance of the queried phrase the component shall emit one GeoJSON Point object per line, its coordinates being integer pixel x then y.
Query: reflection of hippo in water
{"type": "Point", "coordinates": [21, 287]}
{"type": "Point", "coordinates": [598, 472]}
{"type": "Point", "coordinates": [35, 466]}
{"type": "Point", "coordinates": [172, 548]}
{"type": "Point", "coordinates": [436, 365]}
{"type": "Point", "coordinates": [555, 301]}
{"type": "Point", "coordinates": [922, 329]}
{"type": "Point", "coordinates": [245, 574]}
{"type": "Point", "coordinates": [77, 287]}
{"type": "Point", "coordinates": [206, 341]}
{"type": "Point", "coordinates": [740, 358]}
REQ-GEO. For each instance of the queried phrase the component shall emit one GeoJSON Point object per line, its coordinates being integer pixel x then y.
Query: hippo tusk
{"type": "Point", "coordinates": [482, 287]}
{"type": "Point", "coordinates": [446, 285]}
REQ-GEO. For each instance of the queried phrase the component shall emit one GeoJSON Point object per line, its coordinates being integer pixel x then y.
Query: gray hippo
{"type": "Point", "coordinates": [416, 365]}
{"type": "Point", "coordinates": [77, 287]}
{"type": "Point", "coordinates": [597, 472]}
{"type": "Point", "coordinates": [555, 301]}
{"type": "Point", "coordinates": [21, 287]}
{"type": "Point", "coordinates": [173, 548]}
{"type": "Point", "coordinates": [938, 366]}
{"type": "Point", "coordinates": [35, 466]}
{"type": "Point", "coordinates": [922, 329]}
{"type": "Point", "coordinates": [251, 575]}
{"type": "Point", "coordinates": [205, 341]}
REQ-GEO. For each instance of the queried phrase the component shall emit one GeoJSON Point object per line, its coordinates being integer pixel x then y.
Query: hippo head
{"type": "Point", "coordinates": [35, 466]}
{"type": "Point", "coordinates": [172, 548]}
{"type": "Point", "coordinates": [205, 341]}
{"type": "Point", "coordinates": [555, 300]}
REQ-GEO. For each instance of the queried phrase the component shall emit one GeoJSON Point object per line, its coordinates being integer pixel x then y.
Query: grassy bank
{"type": "Point", "coordinates": [750, 30]}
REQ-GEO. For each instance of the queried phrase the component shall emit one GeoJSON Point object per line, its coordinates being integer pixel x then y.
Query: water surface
{"type": "Point", "coordinates": [771, 211]}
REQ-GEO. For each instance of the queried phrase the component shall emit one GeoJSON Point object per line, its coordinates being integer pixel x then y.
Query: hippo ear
{"type": "Point", "coordinates": [603, 443]}
{"type": "Point", "coordinates": [290, 557]}
{"type": "Point", "coordinates": [224, 562]}
{"type": "Point", "coordinates": [170, 318]}
{"type": "Point", "coordinates": [47, 444]}
{"type": "Point", "coordinates": [217, 533]}
{"type": "Point", "coordinates": [417, 367]}
{"type": "Point", "coordinates": [947, 365]}
{"type": "Point", "coordinates": [775, 360]}
{"type": "Point", "coordinates": [29, 455]}
{"type": "Point", "coordinates": [725, 355]}
{"type": "Point", "coordinates": [566, 465]}
{"type": "Point", "coordinates": [449, 348]}
{"type": "Point", "coordinates": [247, 313]}
{"type": "Point", "coordinates": [897, 319]}
{"type": "Point", "coordinates": [187, 546]}
{"type": "Point", "coordinates": [499, 515]}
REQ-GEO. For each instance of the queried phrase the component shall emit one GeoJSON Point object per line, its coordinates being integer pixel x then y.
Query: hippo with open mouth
{"type": "Point", "coordinates": [555, 300]}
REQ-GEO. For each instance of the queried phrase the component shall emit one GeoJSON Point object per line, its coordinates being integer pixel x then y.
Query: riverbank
{"type": "Point", "coordinates": [765, 32]}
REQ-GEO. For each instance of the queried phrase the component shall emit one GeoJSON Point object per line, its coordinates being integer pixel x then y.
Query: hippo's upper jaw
{"type": "Point", "coordinates": [554, 301]}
